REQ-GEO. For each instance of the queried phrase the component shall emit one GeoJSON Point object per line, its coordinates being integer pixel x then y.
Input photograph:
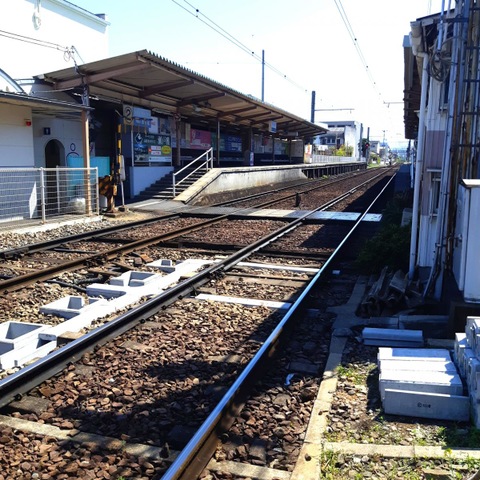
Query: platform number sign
{"type": "Point", "coordinates": [127, 115]}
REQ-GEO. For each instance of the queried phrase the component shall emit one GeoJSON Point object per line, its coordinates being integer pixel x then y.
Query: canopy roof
{"type": "Point", "coordinates": [146, 80]}
{"type": "Point", "coordinates": [43, 106]}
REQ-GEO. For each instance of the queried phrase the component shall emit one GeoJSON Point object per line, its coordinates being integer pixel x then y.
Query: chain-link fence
{"type": "Point", "coordinates": [32, 196]}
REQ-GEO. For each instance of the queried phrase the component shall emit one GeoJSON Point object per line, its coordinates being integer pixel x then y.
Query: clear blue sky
{"type": "Point", "coordinates": [351, 63]}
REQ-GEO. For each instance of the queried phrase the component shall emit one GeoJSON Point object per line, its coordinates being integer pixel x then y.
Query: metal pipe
{"type": "Point", "coordinates": [263, 75]}
{"type": "Point", "coordinates": [42, 193]}
{"type": "Point", "coordinates": [418, 168]}
{"type": "Point", "coordinates": [452, 135]}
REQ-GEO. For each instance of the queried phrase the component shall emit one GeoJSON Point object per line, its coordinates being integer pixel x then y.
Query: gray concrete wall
{"type": "Point", "coordinates": [220, 180]}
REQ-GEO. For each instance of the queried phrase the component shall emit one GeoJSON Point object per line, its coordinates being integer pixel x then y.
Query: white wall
{"type": "Point", "coordinates": [67, 132]}
{"type": "Point", "coordinates": [16, 141]}
{"type": "Point", "coordinates": [352, 136]}
{"type": "Point", "coordinates": [54, 21]}
{"type": "Point", "coordinates": [142, 177]}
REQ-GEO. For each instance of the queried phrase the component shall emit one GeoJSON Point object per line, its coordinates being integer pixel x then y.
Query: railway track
{"type": "Point", "coordinates": [145, 403]}
{"type": "Point", "coordinates": [41, 261]}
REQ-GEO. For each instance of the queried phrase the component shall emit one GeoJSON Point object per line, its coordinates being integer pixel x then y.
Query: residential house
{"type": "Point", "coordinates": [342, 133]}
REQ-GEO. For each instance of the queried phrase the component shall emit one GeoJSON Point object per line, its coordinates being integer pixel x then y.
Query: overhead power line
{"type": "Point", "coordinates": [68, 52]}
{"type": "Point", "coordinates": [350, 31]}
{"type": "Point", "coordinates": [221, 31]}
{"type": "Point", "coordinates": [35, 41]}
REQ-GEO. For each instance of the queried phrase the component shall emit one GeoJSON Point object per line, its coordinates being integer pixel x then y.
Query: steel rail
{"type": "Point", "coordinates": [193, 459]}
{"type": "Point", "coordinates": [16, 283]}
{"type": "Point", "coordinates": [324, 182]}
{"type": "Point", "coordinates": [291, 195]}
{"type": "Point", "coordinates": [97, 234]}
{"type": "Point", "coordinates": [20, 382]}
{"type": "Point", "coordinates": [48, 244]}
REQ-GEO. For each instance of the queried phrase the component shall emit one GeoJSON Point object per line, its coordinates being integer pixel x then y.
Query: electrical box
{"type": "Point", "coordinates": [466, 246]}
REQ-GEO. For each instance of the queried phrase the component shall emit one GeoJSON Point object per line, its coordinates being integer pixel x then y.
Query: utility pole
{"type": "Point", "coordinates": [263, 75]}
{"type": "Point", "coordinates": [312, 111]}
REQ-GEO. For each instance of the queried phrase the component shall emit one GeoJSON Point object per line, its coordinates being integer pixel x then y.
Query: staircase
{"type": "Point", "coordinates": [163, 188]}
{"type": "Point", "coordinates": [182, 177]}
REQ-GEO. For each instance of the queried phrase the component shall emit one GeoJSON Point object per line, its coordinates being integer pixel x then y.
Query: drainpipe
{"type": "Point", "coordinates": [418, 168]}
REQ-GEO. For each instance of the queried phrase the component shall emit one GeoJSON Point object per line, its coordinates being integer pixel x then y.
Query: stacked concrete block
{"type": "Point", "coordinates": [472, 331]}
{"type": "Point", "coordinates": [414, 354]}
{"type": "Point", "coordinates": [427, 405]}
{"type": "Point", "coordinates": [421, 382]}
{"type": "Point", "coordinates": [467, 358]}
{"type": "Point", "coordinates": [459, 351]}
{"type": "Point", "coordinates": [392, 337]}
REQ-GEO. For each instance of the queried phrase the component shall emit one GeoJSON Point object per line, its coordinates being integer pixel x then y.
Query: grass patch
{"type": "Point", "coordinates": [391, 245]}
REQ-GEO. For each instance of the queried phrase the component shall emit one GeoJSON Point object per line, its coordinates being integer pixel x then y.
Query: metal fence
{"type": "Point", "coordinates": [33, 196]}
{"type": "Point", "coordinates": [319, 158]}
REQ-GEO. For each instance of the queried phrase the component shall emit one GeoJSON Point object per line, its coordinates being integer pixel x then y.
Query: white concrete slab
{"type": "Point", "coordinates": [34, 349]}
{"type": "Point", "coordinates": [17, 334]}
{"type": "Point", "coordinates": [249, 302]}
{"type": "Point", "coordinates": [134, 279]}
{"type": "Point", "coordinates": [420, 381]}
{"type": "Point", "coordinates": [375, 342]}
{"type": "Point", "coordinates": [164, 265]}
{"type": "Point", "coordinates": [417, 354]}
{"type": "Point", "coordinates": [427, 405]}
{"type": "Point", "coordinates": [86, 317]}
{"type": "Point", "coordinates": [371, 333]}
{"type": "Point", "coordinates": [69, 306]}
{"type": "Point", "coordinates": [422, 365]}
{"type": "Point", "coordinates": [323, 216]}
{"type": "Point", "coordinates": [286, 268]}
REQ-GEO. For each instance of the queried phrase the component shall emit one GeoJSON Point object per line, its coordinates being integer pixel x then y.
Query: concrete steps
{"type": "Point", "coordinates": [163, 188]}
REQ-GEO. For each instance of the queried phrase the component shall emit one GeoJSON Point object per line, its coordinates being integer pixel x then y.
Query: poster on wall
{"type": "Point", "coordinates": [148, 148]}
{"type": "Point", "coordinates": [267, 144]}
{"type": "Point", "coordinates": [231, 143]}
{"type": "Point", "coordinates": [165, 126]}
{"type": "Point", "coordinates": [297, 148]}
{"type": "Point", "coordinates": [200, 139]}
{"type": "Point", "coordinates": [228, 143]}
{"type": "Point", "coordinates": [258, 144]}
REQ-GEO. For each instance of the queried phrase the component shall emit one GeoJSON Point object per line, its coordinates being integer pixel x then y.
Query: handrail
{"type": "Point", "coordinates": [208, 163]}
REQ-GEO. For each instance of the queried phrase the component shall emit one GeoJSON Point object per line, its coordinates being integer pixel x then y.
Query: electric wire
{"type": "Point", "coordinates": [218, 29]}
{"type": "Point", "coordinates": [348, 26]}
{"type": "Point", "coordinates": [68, 52]}
{"type": "Point", "coordinates": [42, 43]}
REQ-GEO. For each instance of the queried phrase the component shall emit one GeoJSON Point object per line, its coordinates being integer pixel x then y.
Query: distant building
{"type": "Point", "coordinates": [340, 133]}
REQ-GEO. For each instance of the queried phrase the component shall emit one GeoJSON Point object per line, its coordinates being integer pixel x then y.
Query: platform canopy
{"type": "Point", "coordinates": [144, 79]}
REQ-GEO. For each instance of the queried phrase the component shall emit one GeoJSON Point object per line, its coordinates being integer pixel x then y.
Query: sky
{"type": "Point", "coordinates": [349, 52]}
